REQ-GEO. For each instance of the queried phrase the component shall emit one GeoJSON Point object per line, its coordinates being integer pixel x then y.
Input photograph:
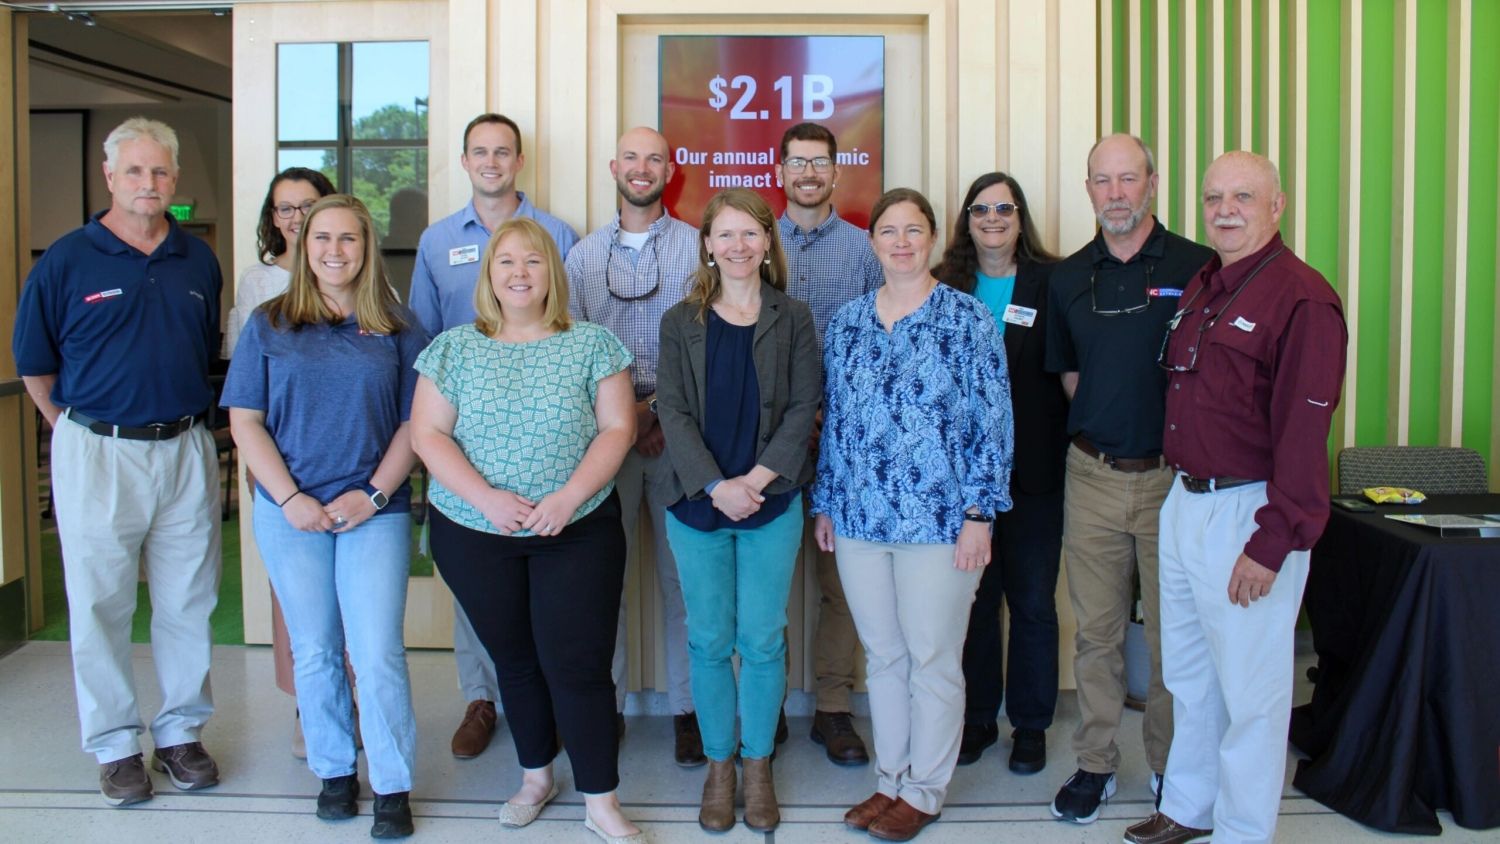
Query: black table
{"type": "Point", "coordinates": [1405, 715]}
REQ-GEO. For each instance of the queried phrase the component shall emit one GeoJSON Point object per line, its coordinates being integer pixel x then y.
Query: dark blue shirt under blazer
{"type": "Point", "coordinates": [128, 335]}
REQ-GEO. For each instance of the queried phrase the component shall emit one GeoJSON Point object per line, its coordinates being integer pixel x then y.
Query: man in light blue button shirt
{"type": "Point", "coordinates": [829, 262]}
{"type": "Point", "coordinates": [624, 276]}
{"type": "Point", "coordinates": [442, 296]}
{"type": "Point", "coordinates": [442, 283]}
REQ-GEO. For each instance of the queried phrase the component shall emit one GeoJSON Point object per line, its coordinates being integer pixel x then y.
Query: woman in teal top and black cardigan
{"type": "Point", "coordinates": [523, 418]}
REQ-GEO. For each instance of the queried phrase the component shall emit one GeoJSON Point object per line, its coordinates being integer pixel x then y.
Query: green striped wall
{"type": "Point", "coordinates": [1401, 393]}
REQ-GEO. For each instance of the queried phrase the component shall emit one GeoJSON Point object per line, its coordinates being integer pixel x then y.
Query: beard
{"type": "Point", "coordinates": [1127, 225]}
{"type": "Point", "coordinates": [644, 200]}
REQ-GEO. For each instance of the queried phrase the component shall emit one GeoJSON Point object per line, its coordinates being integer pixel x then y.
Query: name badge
{"type": "Point", "coordinates": [102, 295]}
{"type": "Point", "coordinates": [1017, 315]}
{"type": "Point", "coordinates": [1164, 292]}
{"type": "Point", "coordinates": [463, 255]}
{"type": "Point", "coordinates": [1243, 324]}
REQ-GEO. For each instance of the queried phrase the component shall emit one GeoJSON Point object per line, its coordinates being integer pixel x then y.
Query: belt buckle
{"type": "Point", "coordinates": [1109, 460]}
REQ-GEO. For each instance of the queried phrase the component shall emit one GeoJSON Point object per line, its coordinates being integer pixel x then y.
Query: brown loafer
{"type": "Point", "coordinates": [835, 731]}
{"type": "Point", "coordinates": [688, 741]}
{"type": "Point", "coordinates": [1160, 829]}
{"type": "Point", "coordinates": [900, 822]}
{"type": "Point", "coordinates": [474, 732]}
{"type": "Point", "coordinates": [861, 816]}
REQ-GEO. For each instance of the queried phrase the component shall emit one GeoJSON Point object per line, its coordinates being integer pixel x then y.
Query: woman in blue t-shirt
{"type": "Point", "coordinates": [996, 254]}
{"type": "Point", "coordinates": [523, 417]}
{"type": "Point", "coordinates": [738, 385]}
{"type": "Point", "coordinates": [319, 392]}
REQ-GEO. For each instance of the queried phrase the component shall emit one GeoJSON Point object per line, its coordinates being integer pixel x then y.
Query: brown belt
{"type": "Point", "coordinates": [1192, 484]}
{"type": "Point", "coordinates": [1119, 464]}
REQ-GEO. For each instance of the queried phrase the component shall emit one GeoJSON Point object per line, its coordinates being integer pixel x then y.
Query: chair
{"type": "Point", "coordinates": [1433, 470]}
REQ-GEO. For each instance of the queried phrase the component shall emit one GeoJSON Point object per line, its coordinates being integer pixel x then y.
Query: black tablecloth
{"type": "Point", "coordinates": [1405, 715]}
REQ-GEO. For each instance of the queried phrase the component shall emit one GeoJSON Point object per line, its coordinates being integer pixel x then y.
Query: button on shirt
{"type": "Point", "coordinates": [128, 335]}
{"type": "Point", "coordinates": [917, 423]}
{"type": "Point", "coordinates": [1118, 405]}
{"type": "Point", "coordinates": [599, 263]}
{"type": "Point", "coordinates": [1261, 399]}
{"type": "Point", "coordinates": [449, 257]}
{"type": "Point", "coordinates": [828, 265]}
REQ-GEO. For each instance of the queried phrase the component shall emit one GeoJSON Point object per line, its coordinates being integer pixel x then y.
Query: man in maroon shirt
{"type": "Point", "coordinates": [1256, 361]}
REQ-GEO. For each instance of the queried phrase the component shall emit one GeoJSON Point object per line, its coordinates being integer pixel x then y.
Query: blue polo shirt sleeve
{"type": "Point", "coordinates": [566, 239]}
{"type": "Point", "coordinates": [247, 385]}
{"type": "Point", "coordinates": [424, 293]}
{"type": "Point", "coordinates": [34, 339]}
{"type": "Point", "coordinates": [409, 345]}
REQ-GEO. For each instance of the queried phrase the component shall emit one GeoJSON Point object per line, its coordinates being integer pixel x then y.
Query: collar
{"type": "Point", "coordinates": [790, 227]}
{"type": "Point", "coordinates": [1218, 277]}
{"type": "Point", "coordinates": [656, 228]}
{"type": "Point", "coordinates": [105, 240]}
{"type": "Point", "coordinates": [470, 214]}
{"type": "Point", "coordinates": [1155, 246]}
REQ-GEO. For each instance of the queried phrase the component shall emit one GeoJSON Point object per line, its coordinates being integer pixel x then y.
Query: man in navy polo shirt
{"type": "Point", "coordinates": [442, 296]}
{"type": "Point", "coordinates": [114, 333]}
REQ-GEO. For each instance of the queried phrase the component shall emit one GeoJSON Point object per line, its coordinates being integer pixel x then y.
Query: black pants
{"type": "Point", "coordinates": [1022, 573]}
{"type": "Point", "coordinates": [545, 607]}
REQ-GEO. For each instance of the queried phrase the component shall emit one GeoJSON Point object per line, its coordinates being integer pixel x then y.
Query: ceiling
{"type": "Point", "coordinates": [129, 58]}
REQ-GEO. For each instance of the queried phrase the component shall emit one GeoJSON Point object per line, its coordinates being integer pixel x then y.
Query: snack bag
{"type": "Point", "coordinates": [1394, 495]}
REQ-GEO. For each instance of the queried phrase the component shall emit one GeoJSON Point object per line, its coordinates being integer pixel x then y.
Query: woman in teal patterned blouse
{"type": "Point", "coordinates": [523, 418]}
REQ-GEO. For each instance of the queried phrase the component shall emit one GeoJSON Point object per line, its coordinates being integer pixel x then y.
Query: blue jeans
{"type": "Point", "coordinates": [735, 584]}
{"type": "Point", "coordinates": [341, 591]}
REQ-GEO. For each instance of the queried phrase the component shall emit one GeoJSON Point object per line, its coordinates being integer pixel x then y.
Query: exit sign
{"type": "Point", "coordinates": [183, 213]}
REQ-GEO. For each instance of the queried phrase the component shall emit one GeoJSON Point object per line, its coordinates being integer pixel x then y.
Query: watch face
{"type": "Point", "coordinates": [379, 499]}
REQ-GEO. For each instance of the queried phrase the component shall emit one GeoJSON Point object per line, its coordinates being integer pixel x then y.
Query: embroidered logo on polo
{"type": "Point", "coordinates": [1164, 292]}
{"type": "Point", "coordinates": [93, 298]}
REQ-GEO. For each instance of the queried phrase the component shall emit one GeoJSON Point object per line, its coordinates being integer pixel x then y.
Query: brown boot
{"type": "Point", "coordinates": [717, 813]}
{"type": "Point", "coordinates": [761, 812]}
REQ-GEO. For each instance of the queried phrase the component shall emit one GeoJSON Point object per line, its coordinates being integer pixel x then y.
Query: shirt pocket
{"type": "Point", "coordinates": [1229, 366]}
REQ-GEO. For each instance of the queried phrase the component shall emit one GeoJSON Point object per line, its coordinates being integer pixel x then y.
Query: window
{"type": "Point", "coordinates": [358, 113]}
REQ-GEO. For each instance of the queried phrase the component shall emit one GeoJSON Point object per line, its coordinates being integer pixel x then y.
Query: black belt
{"type": "Point", "coordinates": [154, 431]}
{"type": "Point", "coordinates": [1119, 464]}
{"type": "Point", "coordinates": [1192, 484]}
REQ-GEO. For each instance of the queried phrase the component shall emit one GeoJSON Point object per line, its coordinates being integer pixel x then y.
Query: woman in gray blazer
{"type": "Point", "coordinates": [738, 384]}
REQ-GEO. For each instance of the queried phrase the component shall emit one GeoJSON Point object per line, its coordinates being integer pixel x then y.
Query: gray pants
{"type": "Point", "coordinates": [476, 671]}
{"type": "Point", "coordinates": [911, 608]}
{"type": "Point", "coordinates": [636, 476]}
{"type": "Point", "coordinates": [122, 503]}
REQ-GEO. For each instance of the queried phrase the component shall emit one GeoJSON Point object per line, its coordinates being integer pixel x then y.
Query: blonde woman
{"type": "Point", "coordinates": [523, 417]}
{"type": "Point", "coordinates": [738, 384]}
{"type": "Point", "coordinates": [319, 393]}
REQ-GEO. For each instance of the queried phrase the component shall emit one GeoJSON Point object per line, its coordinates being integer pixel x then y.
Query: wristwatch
{"type": "Point", "coordinates": [978, 517]}
{"type": "Point", "coordinates": [378, 498]}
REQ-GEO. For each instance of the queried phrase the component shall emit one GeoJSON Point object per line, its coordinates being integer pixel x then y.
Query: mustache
{"type": "Point", "coordinates": [1118, 206]}
{"type": "Point", "coordinates": [1229, 222]}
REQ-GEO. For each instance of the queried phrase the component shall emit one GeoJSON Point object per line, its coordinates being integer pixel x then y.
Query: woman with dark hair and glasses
{"type": "Point", "coordinates": [996, 254]}
{"type": "Point", "coordinates": [290, 196]}
{"type": "Point", "coordinates": [913, 465]}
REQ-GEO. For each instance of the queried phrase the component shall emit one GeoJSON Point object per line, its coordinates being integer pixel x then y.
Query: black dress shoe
{"type": "Point", "coordinates": [975, 739]}
{"type": "Point", "coordinates": [1028, 750]}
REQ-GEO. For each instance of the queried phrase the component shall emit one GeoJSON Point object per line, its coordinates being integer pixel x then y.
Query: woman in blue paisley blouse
{"type": "Point", "coordinates": [913, 465]}
{"type": "Point", "coordinates": [523, 417]}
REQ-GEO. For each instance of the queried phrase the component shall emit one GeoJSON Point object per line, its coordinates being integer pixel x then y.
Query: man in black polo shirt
{"type": "Point", "coordinates": [1111, 302]}
{"type": "Point", "coordinates": [114, 333]}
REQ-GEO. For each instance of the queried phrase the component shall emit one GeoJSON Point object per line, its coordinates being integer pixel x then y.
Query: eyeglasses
{"type": "Point", "coordinates": [285, 211]}
{"type": "Point", "coordinates": [1004, 209]}
{"type": "Point", "coordinates": [1209, 320]}
{"type": "Point", "coordinates": [1134, 309]}
{"type": "Point", "coordinates": [609, 285]}
{"type": "Point", "coordinates": [796, 164]}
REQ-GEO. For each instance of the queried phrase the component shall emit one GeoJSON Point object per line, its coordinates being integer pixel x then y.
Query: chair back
{"type": "Point", "coordinates": [1434, 470]}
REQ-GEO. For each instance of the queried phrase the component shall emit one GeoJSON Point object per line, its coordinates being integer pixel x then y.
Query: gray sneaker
{"type": "Point", "coordinates": [124, 781]}
{"type": "Point", "coordinates": [188, 765]}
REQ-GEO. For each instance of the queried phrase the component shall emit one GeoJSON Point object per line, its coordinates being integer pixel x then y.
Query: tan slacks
{"type": "Point", "coordinates": [834, 643]}
{"type": "Point", "coordinates": [1110, 530]}
{"type": "Point", "coordinates": [911, 608]}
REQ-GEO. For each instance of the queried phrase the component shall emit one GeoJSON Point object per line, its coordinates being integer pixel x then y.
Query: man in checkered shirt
{"type": "Point", "coordinates": [624, 276]}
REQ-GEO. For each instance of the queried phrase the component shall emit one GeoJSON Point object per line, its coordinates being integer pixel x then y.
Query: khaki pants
{"type": "Point", "coordinates": [1110, 529]}
{"type": "Point", "coordinates": [835, 642]}
{"type": "Point", "coordinates": [911, 607]}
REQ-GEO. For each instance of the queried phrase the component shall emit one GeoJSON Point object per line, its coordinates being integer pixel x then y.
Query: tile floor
{"type": "Point", "coordinates": [48, 787]}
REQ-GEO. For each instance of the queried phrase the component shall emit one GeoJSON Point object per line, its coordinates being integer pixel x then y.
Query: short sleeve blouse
{"type": "Point", "coordinates": [525, 410]}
